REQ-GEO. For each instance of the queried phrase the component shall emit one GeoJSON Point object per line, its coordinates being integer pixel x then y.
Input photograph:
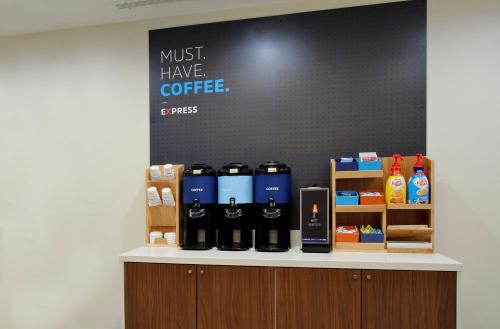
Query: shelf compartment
{"type": "Point", "coordinates": [359, 174]}
{"type": "Point", "coordinates": [361, 208]}
{"type": "Point", "coordinates": [399, 206]}
{"type": "Point", "coordinates": [409, 232]}
{"type": "Point", "coordinates": [360, 246]}
{"type": "Point", "coordinates": [161, 242]}
{"type": "Point", "coordinates": [162, 215]}
{"type": "Point", "coordinates": [394, 247]}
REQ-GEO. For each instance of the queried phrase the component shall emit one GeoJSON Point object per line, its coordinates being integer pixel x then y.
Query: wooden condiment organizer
{"type": "Point", "coordinates": [412, 214]}
{"type": "Point", "coordinates": [383, 215]}
{"type": "Point", "coordinates": [164, 218]}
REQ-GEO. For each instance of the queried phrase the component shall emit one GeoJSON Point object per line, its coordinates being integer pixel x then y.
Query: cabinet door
{"type": "Point", "coordinates": [409, 300]}
{"type": "Point", "coordinates": [318, 298]}
{"type": "Point", "coordinates": [160, 296]}
{"type": "Point", "coordinates": [235, 297]}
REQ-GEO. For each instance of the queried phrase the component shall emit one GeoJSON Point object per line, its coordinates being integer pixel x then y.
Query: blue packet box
{"type": "Point", "coordinates": [377, 237]}
{"type": "Point", "coordinates": [346, 198]}
{"type": "Point", "coordinates": [369, 165]}
{"type": "Point", "coordinates": [346, 166]}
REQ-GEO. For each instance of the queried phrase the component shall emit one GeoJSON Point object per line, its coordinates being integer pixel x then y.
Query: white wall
{"type": "Point", "coordinates": [463, 136]}
{"type": "Point", "coordinates": [73, 147]}
{"type": "Point", "coordinates": [74, 143]}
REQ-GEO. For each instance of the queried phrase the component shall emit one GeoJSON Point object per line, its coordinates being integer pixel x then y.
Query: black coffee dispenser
{"type": "Point", "coordinates": [272, 206]}
{"type": "Point", "coordinates": [199, 186]}
{"type": "Point", "coordinates": [235, 198]}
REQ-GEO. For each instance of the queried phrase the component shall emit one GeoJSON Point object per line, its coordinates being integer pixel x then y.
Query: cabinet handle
{"type": "Point", "coordinates": [368, 277]}
{"type": "Point", "coordinates": [355, 276]}
{"type": "Point", "coordinates": [202, 272]}
{"type": "Point", "coordinates": [190, 271]}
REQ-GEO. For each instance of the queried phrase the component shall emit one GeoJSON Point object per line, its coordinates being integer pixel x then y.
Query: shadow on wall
{"type": "Point", "coordinates": [460, 227]}
{"type": "Point", "coordinates": [5, 289]}
{"type": "Point", "coordinates": [130, 234]}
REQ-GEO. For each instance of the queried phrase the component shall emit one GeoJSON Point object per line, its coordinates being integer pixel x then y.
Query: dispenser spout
{"type": "Point", "coordinates": [396, 167]}
{"type": "Point", "coordinates": [196, 203]}
{"type": "Point", "coordinates": [420, 160]}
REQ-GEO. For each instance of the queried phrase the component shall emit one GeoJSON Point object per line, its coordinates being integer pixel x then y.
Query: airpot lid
{"type": "Point", "coordinates": [235, 168]}
{"type": "Point", "coordinates": [200, 169]}
{"type": "Point", "coordinates": [272, 167]}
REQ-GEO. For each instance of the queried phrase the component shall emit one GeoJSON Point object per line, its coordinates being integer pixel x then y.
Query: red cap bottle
{"type": "Point", "coordinates": [419, 165]}
{"type": "Point", "coordinates": [396, 167]}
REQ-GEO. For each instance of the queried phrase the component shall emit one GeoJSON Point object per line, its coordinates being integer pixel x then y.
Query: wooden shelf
{"type": "Point", "coordinates": [357, 246]}
{"type": "Point", "coordinates": [395, 206]}
{"type": "Point", "coordinates": [359, 174]}
{"type": "Point", "coordinates": [160, 245]}
{"type": "Point", "coordinates": [409, 232]}
{"type": "Point", "coordinates": [361, 208]}
{"type": "Point", "coordinates": [392, 214]}
{"type": "Point", "coordinates": [164, 218]}
{"type": "Point", "coordinates": [410, 251]}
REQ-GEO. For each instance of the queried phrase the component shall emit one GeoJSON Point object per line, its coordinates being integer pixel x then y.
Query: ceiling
{"type": "Point", "coordinates": [29, 16]}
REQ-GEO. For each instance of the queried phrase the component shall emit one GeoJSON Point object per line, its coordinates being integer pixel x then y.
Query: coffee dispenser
{"type": "Point", "coordinates": [272, 207]}
{"type": "Point", "coordinates": [199, 186]}
{"type": "Point", "coordinates": [235, 196]}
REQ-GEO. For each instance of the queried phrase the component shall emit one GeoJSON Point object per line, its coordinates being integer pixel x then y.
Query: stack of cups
{"type": "Point", "coordinates": [170, 237]}
{"type": "Point", "coordinates": [155, 172]}
{"type": "Point", "coordinates": [155, 235]}
{"type": "Point", "coordinates": [168, 172]}
{"type": "Point", "coordinates": [167, 196]}
{"type": "Point", "coordinates": [153, 197]}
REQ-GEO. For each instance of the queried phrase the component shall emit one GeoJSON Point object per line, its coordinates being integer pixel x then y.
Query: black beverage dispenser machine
{"type": "Point", "coordinates": [235, 198]}
{"type": "Point", "coordinates": [315, 219]}
{"type": "Point", "coordinates": [199, 187]}
{"type": "Point", "coordinates": [272, 199]}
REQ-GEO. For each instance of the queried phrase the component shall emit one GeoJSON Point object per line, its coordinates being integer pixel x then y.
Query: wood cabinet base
{"type": "Point", "coordinates": [318, 298]}
{"type": "Point", "coordinates": [169, 296]}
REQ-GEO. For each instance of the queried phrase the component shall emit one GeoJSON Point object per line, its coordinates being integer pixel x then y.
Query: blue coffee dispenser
{"type": "Point", "coordinates": [235, 198]}
{"type": "Point", "coordinates": [199, 197]}
{"type": "Point", "coordinates": [272, 206]}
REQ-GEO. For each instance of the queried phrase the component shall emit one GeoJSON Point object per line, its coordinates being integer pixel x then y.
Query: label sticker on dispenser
{"type": "Point", "coordinates": [275, 186]}
{"type": "Point", "coordinates": [202, 188]}
{"type": "Point", "coordinates": [238, 187]}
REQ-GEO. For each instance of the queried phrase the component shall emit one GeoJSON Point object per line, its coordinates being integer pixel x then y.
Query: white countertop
{"type": "Point", "coordinates": [294, 258]}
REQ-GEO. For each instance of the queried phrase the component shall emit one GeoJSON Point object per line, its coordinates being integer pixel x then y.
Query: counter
{"type": "Point", "coordinates": [294, 258]}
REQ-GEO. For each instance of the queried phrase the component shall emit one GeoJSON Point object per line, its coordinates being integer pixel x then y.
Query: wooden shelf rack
{"type": "Point", "coordinates": [165, 218]}
{"type": "Point", "coordinates": [359, 174]}
{"type": "Point", "coordinates": [361, 208]}
{"type": "Point", "coordinates": [405, 221]}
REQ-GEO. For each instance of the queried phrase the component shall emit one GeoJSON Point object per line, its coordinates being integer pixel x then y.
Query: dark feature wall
{"type": "Point", "coordinates": [300, 88]}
